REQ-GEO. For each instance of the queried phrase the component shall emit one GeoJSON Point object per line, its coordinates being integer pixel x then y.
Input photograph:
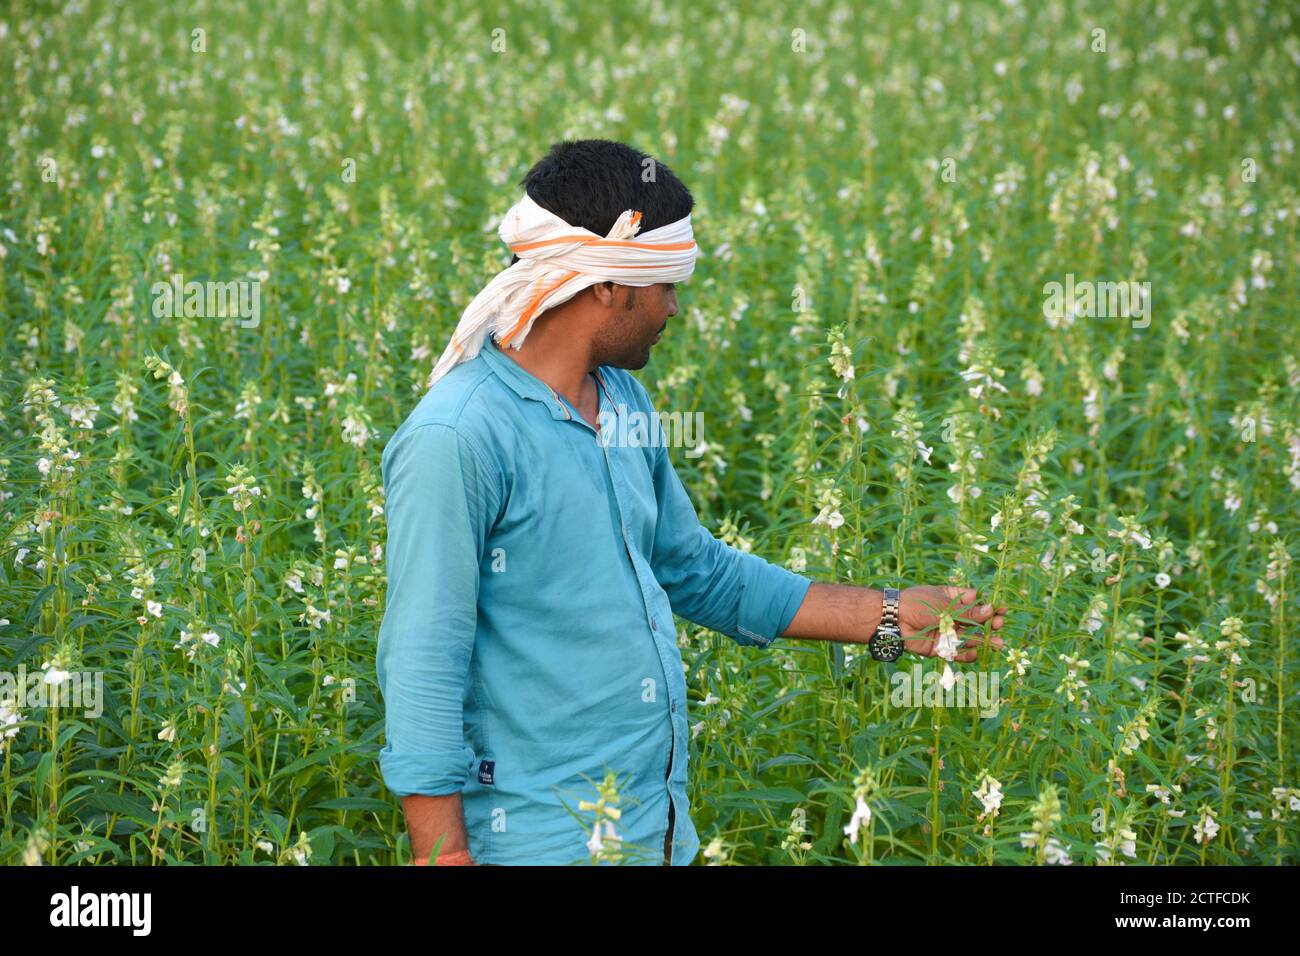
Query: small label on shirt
{"type": "Point", "coordinates": [486, 770]}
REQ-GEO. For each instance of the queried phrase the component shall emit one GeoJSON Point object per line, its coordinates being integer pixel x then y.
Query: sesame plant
{"type": "Point", "coordinates": [234, 239]}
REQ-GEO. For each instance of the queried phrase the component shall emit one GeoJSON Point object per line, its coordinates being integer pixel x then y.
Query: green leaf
{"type": "Point", "coordinates": [356, 803]}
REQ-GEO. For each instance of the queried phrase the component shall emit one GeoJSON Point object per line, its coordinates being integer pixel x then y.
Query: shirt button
{"type": "Point", "coordinates": [674, 707]}
{"type": "Point", "coordinates": [654, 625]}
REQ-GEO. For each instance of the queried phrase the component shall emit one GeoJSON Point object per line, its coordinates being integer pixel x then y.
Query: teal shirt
{"type": "Point", "coordinates": [528, 641]}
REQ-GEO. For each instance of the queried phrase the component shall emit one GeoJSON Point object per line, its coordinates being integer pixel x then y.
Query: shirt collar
{"type": "Point", "coordinates": [528, 385]}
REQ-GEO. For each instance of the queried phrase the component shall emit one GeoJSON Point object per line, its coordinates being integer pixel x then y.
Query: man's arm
{"type": "Point", "coordinates": [441, 502]}
{"type": "Point", "coordinates": [711, 583]}
{"type": "Point", "coordinates": [754, 601]}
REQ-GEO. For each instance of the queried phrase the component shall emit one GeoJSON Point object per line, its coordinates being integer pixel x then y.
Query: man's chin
{"type": "Point", "coordinates": [634, 362]}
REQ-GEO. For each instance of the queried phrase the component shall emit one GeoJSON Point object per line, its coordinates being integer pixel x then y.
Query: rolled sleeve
{"type": "Point", "coordinates": [770, 598]}
{"type": "Point", "coordinates": [711, 583]}
{"type": "Point", "coordinates": [441, 501]}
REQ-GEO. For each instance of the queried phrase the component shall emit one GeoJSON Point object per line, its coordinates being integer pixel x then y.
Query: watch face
{"type": "Point", "coordinates": [886, 645]}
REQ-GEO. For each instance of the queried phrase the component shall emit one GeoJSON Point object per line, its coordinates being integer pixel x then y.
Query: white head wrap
{"type": "Point", "coordinates": [556, 262]}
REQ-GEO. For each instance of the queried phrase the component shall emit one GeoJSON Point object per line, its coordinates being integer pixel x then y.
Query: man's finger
{"type": "Point", "coordinates": [977, 615]}
{"type": "Point", "coordinates": [960, 594]}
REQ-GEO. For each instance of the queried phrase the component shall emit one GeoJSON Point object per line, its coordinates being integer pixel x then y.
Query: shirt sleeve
{"type": "Point", "coordinates": [713, 584]}
{"type": "Point", "coordinates": [441, 501]}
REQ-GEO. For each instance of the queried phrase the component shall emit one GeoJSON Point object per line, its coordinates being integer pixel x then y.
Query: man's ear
{"type": "Point", "coordinates": [603, 293]}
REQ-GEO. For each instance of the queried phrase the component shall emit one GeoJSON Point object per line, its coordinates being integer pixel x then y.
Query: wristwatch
{"type": "Point", "coordinates": [887, 643]}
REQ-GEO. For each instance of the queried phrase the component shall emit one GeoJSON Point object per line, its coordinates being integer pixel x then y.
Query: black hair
{"type": "Point", "coordinates": [590, 182]}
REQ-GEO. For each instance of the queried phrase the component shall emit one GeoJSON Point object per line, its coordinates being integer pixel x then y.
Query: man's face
{"type": "Point", "coordinates": [625, 340]}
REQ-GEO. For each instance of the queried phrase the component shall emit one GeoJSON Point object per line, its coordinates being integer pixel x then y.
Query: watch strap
{"type": "Point", "coordinates": [889, 608]}
{"type": "Point", "coordinates": [886, 643]}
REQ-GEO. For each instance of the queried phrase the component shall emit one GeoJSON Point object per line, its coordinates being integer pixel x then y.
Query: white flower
{"type": "Point", "coordinates": [355, 431]}
{"type": "Point", "coordinates": [37, 844]}
{"type": "Point", "coordinates": [54, 674]}
{"type": "Point", "coordinates": [829, 517]}
{"type": "Point", "coordinates": [949, 678]}
{"type": "Point", "coordinates": [1206, 828]}
{"type": "Point", "coordinates": [989, 794]}
{"type": "Point", "coordinates": [948, 643]}
{"type": "Point", "coordinates": [861, 817]}
{"type": "Point", "coordinates": [1054, 853]}
{"type": "Point", "coordinates": [1131, 532]}
{"type": "Point", "coordinates": [1162, 580]}
{"type": "Point", "coordinates": [154, 608]}
{"type": "Point", "coordinates": [10, 717]}
{"type": "Point", "coordinates": [242, 487]}
{"type": "Point", "coordinates": [1092, 619]}
{"type": "Point", "coordinates": [173, 774]}
{"type": "Point", "coordinates": [596, 843]}
{"type": "Point", "coordinates": [313, 617]}
{"type": "Point", "coordinates": [1018, 660]}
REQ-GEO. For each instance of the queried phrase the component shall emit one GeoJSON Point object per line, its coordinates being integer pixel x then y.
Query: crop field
{"type": "Point", "coordinates": [992, 293]}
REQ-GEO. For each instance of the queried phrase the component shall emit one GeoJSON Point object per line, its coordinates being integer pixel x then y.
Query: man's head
{"type": "Point", "coordinates": [589, 183]}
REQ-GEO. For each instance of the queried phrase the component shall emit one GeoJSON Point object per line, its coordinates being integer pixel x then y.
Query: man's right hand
{"type": "Point", "coordinates": [919, 608]}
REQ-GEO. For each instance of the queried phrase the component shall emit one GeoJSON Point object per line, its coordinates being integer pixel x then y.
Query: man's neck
{"type": "Point", "coordinates": [567, 370]}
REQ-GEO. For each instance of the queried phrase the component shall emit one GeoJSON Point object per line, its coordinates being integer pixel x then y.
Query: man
{"type": "Point", "coordinates": [534, 565]}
